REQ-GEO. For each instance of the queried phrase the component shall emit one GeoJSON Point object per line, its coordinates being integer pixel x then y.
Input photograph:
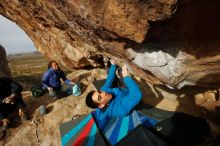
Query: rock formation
{"type": "Point", "coordinates": [172, 42]}
{"type": "Point", "coordinates": [4, 69]}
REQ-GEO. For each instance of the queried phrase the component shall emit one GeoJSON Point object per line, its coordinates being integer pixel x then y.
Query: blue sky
{"type": "Point", "coordinates": [13, 38]}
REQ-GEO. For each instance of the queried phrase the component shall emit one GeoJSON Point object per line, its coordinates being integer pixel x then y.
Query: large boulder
{"type": "Point", "coordinates": [4, 71]}
{"type": "Point", "coordinates": [169, 42]}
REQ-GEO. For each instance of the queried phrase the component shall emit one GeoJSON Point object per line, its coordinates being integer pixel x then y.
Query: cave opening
{"type": "Point", "coordinates": [22, 60]}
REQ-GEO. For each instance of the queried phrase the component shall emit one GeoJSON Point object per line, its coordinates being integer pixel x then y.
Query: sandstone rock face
{"type": "Point", "coordinates": [4, 69]}
{"type": "Point", "coordinates": [172, 42]}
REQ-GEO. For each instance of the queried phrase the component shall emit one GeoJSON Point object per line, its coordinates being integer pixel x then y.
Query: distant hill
{"type": "Point", "coordinates": [28, 54]}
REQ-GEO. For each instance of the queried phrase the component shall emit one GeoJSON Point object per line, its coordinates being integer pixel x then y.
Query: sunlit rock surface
{"type": "Point", "coordinates": [171, 42]}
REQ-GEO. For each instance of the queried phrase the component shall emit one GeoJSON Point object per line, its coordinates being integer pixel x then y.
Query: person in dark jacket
{"type": "Point", "coordinates": [52, 80]}
{"type": "Point", "coordinates": [114, 102]}
{"type": "Point", "coordinates": [10, 100]}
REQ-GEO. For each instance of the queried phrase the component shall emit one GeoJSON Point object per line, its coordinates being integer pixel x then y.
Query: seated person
{"type": "Point", "coordinates": [10, 100]}
{"type": "Point", "coordinates": [114, 102]}
{"type": "Point", "coordinates": [52, 80]}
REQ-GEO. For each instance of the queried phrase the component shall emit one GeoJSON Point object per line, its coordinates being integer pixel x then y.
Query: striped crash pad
{"type": "Point", "coordinates": [81, 132]}
{"type": "Point", "coordinates": [84, 131]}
{"type": "Point", "coordinates": [116, 129]}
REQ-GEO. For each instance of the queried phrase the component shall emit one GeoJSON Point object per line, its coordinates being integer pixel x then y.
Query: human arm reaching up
{"type": "Point", "coordinates": [111, 76]}
{"type": "Point", "coordinates": [134, 93]}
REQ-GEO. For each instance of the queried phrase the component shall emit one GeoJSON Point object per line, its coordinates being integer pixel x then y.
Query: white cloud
{"type": "Point", "coordinates": [13, 38]}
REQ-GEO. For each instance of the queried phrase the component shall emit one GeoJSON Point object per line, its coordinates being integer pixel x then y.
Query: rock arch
{"type": "Point", "coordinates": [172, 42]}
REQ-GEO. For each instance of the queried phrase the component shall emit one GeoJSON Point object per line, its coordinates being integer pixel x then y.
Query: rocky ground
{"type": "Point", "coordinates": [44, 130]}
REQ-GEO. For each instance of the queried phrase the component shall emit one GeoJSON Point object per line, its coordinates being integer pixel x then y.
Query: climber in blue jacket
{"type": "Point", "coordinates": [114, 102]}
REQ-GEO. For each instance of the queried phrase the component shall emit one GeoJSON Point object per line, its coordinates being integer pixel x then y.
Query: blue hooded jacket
{"type": "Point", "coordinates": [123, 101]}
{"type": "Point", "coordinates": [52, 78]}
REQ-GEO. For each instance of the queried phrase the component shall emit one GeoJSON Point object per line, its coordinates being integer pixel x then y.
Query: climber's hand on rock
{"type": "Point", "coordinates": [125, 71]}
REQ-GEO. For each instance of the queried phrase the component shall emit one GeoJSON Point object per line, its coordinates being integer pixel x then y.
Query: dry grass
{"type": "Point", "coordinates": [28, 69]}
{"type": "Point", "coordinates": [27, 65]}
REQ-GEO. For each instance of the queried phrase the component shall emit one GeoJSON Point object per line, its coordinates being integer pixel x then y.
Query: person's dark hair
{"type": "Point", "coordinates": [89, 102]}
{"type": "Point", "coordinates": [50, 64]}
